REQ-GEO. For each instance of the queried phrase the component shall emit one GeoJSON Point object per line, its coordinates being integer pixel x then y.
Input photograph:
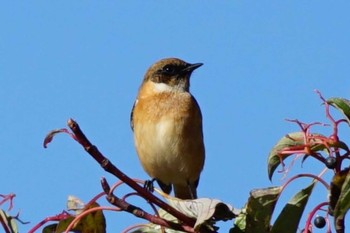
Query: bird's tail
{"type": "Point", "coordinates": [188, 191]}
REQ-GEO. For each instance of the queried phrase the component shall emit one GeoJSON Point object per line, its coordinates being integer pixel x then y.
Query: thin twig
{"type": "Point", "coordinates": [111, 168]}
{"type": "Point", "coordinates": [140, 213]}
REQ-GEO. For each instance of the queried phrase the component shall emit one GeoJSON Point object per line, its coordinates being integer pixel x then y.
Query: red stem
{"type": "Point", "coordinates": [307, 175]}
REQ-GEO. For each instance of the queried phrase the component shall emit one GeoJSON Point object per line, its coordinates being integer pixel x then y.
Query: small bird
{"type": "Point", "coordinates": [167, 124]}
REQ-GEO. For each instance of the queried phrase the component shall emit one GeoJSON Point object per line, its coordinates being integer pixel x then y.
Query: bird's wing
{"type": "Point", "coordinates": [132, 116]}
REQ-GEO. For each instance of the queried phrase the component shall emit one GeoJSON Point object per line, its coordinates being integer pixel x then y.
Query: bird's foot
{"type": "Point", "coordinates": [149, 185]}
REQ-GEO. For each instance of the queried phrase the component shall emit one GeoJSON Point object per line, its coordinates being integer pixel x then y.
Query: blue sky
{"type": "Point", "coordinates": [86, 59]}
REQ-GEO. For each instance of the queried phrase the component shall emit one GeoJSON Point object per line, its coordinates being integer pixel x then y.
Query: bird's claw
{"type": "Point", "coordinates": [149, 185]}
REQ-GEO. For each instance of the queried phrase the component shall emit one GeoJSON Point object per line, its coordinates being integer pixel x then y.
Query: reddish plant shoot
{"type": "Point", "coordinates": [329, 150]}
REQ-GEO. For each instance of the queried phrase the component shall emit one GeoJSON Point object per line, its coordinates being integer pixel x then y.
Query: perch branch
{"type": "Point", "coordinates": [111, 168]}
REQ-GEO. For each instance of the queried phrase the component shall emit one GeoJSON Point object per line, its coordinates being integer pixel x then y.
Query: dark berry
{"type": "Point", "coordinates": [331, 162]}
{"type": "Point", "coordinates": [319, 222]}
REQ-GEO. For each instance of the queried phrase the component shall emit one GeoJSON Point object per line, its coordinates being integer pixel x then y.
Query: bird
{"type": "Point", "coordinates": [167, 126]}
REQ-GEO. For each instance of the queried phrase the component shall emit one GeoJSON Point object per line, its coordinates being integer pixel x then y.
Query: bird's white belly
{"type": "Point", "coordinates": [160, 151]}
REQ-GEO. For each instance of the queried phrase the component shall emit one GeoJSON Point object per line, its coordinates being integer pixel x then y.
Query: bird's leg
{"type": "Point", "coordinates": [149, 185]}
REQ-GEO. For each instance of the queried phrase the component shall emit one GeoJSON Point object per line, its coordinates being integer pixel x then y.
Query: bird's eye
{"type": "Point", "coordinates": [169, 69]}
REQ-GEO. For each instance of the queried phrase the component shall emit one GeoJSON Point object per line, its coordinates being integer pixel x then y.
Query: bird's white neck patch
{"type": "Point", "coordinates": [163, 87]}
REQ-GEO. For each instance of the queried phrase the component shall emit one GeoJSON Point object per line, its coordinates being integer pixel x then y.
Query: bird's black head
{"type": "Point", "coordinates": [171, 74]}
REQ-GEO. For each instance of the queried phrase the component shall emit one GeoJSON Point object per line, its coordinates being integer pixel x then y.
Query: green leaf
{"type": "Point", "coordinates": [91, 223]}
{"type": "Point", "coordinates": [294, 140]}
{"type": "Point", "coordinates": [290, 140]}
{"type": "Point", "coordinates": [9, 222]}
{"type": "Point", "coordinates": [258, 211]}
{"type": "Point", "coordinates": [50, 228]}
{"type": "Point", "coordinates": [343, 105]}
{"type": "Point", "coordinates": [240, 223]}
{"type": "Point", "coordinates": [341, 145]}
{"type": "Point", "coordinates": [63, 224]}
{"type": "Point", "coordinates": [95, 222]}
{"type": "Point", "coordinates": [289, 218]}
{"type": "Point", "coordinates": [335, 189]}
{"type": "Point", "coordinates": [343, 203]}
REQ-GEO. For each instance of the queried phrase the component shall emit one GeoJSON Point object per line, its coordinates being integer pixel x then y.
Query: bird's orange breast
{"type": "Point", "coordinates": [168, 136]}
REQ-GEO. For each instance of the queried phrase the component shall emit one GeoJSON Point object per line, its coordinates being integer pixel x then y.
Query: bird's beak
{"type": "Point", "coordinates": [192, 67]}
